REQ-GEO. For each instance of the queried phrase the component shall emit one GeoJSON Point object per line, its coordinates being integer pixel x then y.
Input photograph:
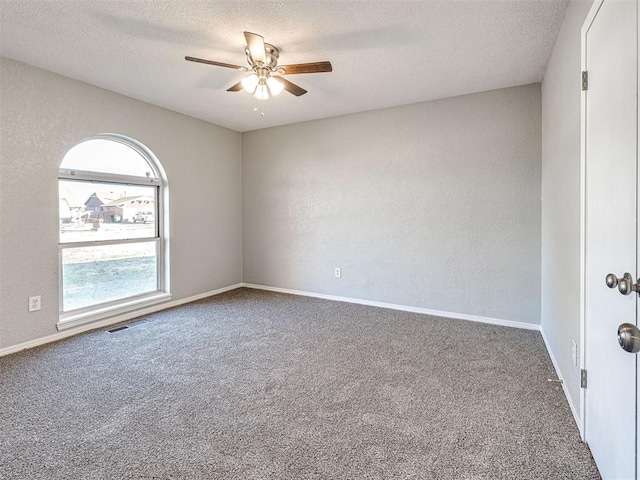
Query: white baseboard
{"type": "Point", "coordinates": [576, 415]}
{"type": "Point", "coordinates": [175, 303]}
{"type": "Point", "coordinates": [393, 306]}
{"type": "Point", "coordinates": [110, 321]}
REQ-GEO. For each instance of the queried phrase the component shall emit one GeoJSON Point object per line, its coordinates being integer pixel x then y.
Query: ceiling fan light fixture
{"type": "Point", "coordinates": [263, 58]}
{"type": "Point", "coordinates": [275, 86]}
{"type": "Point", "coordinates": [250, 83]}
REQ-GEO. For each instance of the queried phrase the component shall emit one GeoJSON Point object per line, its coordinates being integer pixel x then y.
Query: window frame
{"type": "Point", "coordinates": [101, 311]}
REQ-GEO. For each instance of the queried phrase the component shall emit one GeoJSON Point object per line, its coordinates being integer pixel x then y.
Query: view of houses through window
{"type": "Point", "coordinates": [110, 237]}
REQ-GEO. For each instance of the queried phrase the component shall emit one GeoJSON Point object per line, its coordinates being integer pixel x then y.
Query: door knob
{"type": "Point", "coordinates": [629, 337]}
{"type": "Point", "coordinates": [611, 280]}
{"type": "Point", "coordinates": [625, 285]}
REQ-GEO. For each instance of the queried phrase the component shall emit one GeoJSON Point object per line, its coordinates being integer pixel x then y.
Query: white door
{"type": "Point", "coordinates": [611, 236]}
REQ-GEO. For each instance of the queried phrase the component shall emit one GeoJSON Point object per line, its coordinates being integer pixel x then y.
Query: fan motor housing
{"type": "Point", "coordinates": [272, 53]}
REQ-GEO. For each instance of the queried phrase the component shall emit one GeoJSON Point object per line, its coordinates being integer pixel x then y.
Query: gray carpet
{"type": "Point", "coordinates": [257, 385]}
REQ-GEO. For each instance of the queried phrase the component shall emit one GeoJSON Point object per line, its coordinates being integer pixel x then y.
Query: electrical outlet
{"type": "Point", "coordinates": [338, 273]}
{"type": "Point", "coordinates": [34, 304]}
{"type": "Point", "coordinates": [574, 353]}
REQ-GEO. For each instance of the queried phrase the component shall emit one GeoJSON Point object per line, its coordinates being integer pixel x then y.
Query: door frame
{"type": "Point", "coordinates": [637, 228]}
{"type": "Point", "coordinates": [595, 8]}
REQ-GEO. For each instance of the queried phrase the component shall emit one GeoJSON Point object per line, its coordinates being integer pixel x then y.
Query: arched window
{"type": "Point", "coordinates": [113, 204]}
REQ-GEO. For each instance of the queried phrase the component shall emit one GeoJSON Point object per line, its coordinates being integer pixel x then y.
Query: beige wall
{"type": "Point", "coordinates": [560, 307]}
{"type": "Point", "coordinates": [434, 205]}
{"type": "Point", "coordinates": [41, 116]}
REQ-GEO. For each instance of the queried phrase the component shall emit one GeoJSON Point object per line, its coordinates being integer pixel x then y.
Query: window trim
{"type": "Point", "coordinates": [112, 308]}
{"type": "Point", "coordinates": [99, 177]}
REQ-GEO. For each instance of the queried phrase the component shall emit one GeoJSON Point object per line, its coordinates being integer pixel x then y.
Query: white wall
{"type": "Point", "coordinates": [41, 116]}
{"type": "Point", "coordinates": [434, 205]}
{"type": "Point", "coordinates": [560, 308]}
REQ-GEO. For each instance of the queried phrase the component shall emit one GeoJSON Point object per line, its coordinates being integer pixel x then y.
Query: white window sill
{"type": "Point", "coordinates": [123, 309]}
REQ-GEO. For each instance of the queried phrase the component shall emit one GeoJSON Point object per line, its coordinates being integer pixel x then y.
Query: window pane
{"type": "Point", "coordinates": [107, 156]}
{"type": "Point", "coordinates": [91, 211]}
{"type": "Point", "coordinates": [93, 275]}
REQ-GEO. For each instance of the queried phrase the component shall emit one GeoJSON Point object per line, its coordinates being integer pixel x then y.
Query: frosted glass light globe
{"type": "Point", "coordinates": [275, 86]}
{"type": "Point", "coordinates": [250, 83]}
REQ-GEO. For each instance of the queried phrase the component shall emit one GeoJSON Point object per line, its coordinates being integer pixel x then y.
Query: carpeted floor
{"type": "Point", "coordinates": [257, 385]}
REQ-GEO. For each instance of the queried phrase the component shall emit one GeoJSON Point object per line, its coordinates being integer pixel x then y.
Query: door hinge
{"type": "Point", "coordinates": [583, 378]}
{"type": "Point", "coordinates": [585, 80]}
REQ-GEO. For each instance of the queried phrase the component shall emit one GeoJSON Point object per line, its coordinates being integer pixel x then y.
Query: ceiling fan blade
{"type": "Point", "coordinates": [256, 46]}
{"type": "Point", "coordinates": [217, 64]}
{"type": "Point", "coordinates": [292, 87]}
{"type": "Point", "coordinates": [235, 88]}
{"type": "Point", "coordinates": [314, 67]}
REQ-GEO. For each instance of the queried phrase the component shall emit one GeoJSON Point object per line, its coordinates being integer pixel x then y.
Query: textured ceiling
{"type": "Point", "coordinates": [384, 53]}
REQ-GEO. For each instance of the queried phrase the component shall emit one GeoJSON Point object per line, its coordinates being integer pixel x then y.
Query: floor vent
{"type": "Point", "coordinates": [132, 324]}
{"type": "Point", "coordinates": [117, 329]}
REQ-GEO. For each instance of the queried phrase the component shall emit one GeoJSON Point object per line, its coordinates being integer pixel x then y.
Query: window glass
{"type": "Point", "coordinates": [91, 211]}
{"type": "Point", "coordinates": [107, 156]}
{"type": "Point", "coordinates": [94, 275]}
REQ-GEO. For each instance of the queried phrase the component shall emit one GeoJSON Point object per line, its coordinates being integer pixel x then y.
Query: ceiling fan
{"type": "Point", "coordinates": [263, 63]}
